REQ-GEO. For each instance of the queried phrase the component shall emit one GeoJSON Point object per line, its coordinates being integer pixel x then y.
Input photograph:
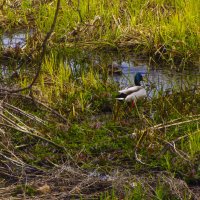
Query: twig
{"type": "Point", "coordinates": [31, 133]}
{"type": "Point", "coordinates": [36, 101]}
{"type": "Point", "coordinates": [18, 110]}
{"type": "Point", "coordinates": [166, 125]}
{"type": "Point", "coordinates": [26, 129]}
{"type": "Point", "coordinates": [171, 144]}
{"type": "Point", "coordinates": [144, 133]}
{"type": "Point", "coordinates": [174, 124]}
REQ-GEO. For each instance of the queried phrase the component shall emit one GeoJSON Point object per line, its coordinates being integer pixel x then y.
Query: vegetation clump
{"type": "Point", "coordinates": [162, 29]}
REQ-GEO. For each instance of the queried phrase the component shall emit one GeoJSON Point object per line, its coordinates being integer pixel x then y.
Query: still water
{"type": "Point", "coordinates": [159, 79]}
{"type": "Point", "coordinates": [17, 39]}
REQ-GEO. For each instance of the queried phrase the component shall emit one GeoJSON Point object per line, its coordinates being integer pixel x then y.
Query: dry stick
{"type": "Point", "coordinates": [172, 144]}
{"type": "Point", "coordinates": [2, 131]}
{"type": "Point", "coordinates": [38, 102]}
{"type": "Point", "coordinates": [44, 46]}
{"type": "Point", "coordinates": [174, 124]}
{"type": "Point", "coordinates": [16, 119]}
{"type": "Point", "coordinates": [18, 110]}
{"type": "Point", "coordinates": [167, 125]}
{"type": "Point", "coordinates": [27, 130]}
{"type": "Point", "coordinates": [17, 160]}
{"type": "Point", "coordinates": [11, 122]}
{"type": "Point", "coordinates": [168, 143]}
{"type": "Point", "coordinates": [10, 126]}
{"type": "Point", "coordinates": [174, 120]}
{"type": "Point", "coordinates": [136, 148]}
{"type": "Point", "coordinates": [19, 163]}
{"type": "Point", "coordinates": [31, 133]}
{"type": "Point", "coordinates": [24, 129]}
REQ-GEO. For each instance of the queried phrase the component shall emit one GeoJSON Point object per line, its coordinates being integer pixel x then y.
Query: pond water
{"type": "Point", "coordinates": [10, 42]}
{"type": "Point", "coordinates": [161, 78]}
{"type": "Point", "coordinates": [17, 39]}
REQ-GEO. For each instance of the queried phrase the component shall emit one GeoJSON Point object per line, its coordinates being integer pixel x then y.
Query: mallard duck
{"type": "Point", "coordinates": [114, 69]}
{"type": "Point", "coordinates": [132, 94]}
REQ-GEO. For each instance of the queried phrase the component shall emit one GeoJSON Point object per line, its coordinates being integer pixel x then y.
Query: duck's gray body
{"type": "Point", "coordinates": [133, 93]}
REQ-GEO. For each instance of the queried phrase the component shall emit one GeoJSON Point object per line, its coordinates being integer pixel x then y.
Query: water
{"type": "Point", "coordinates": [160, 79]}
{"type": "Point", "coordinates": [18, 39]}
{"type": "Point", "coordinates": [11, 43]}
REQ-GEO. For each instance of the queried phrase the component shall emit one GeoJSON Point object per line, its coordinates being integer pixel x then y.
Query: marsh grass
{"type": "Point", "coordinates": [100, 133]}
{"type": "Point", "coordinates": [99, 125]}
{"type": "Point", "coordinates": [194, 141]}
{"type": "Point", "coordinates": [103, 134]}
{"type": "Point", "coordinates": [77, 88]}
{"type": "Point", "coordinates": [165, 30]}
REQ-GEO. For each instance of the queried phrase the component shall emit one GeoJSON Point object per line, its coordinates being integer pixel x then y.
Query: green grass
{"type": "Point", "coordinates": [143, 27]}
{"type": "Point", "coordinates": [83, 97]}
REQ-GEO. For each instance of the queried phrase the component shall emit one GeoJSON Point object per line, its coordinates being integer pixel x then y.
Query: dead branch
{"type": "Point", "coordinates": [18, 110]}
{"type": "Point", "coordinates": [35, 101]}
{"type": "Point", "coordinates": [24, 128]}
{"type": "Point", "coordinates": [172, 144]}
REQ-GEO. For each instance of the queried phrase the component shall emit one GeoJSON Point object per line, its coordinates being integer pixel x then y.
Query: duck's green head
{"type": "Point", "coordinates": [138, 78]}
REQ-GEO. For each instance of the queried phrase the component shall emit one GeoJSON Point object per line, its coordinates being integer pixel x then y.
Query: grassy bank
{"type": "Point", "coordinates": [73, 138]}
{"type": "Point", "coordinates": [159, 28]}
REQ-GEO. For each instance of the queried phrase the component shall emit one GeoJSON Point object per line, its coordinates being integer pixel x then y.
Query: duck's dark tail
{"type": "Point", "coordinates": [121, 96]}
